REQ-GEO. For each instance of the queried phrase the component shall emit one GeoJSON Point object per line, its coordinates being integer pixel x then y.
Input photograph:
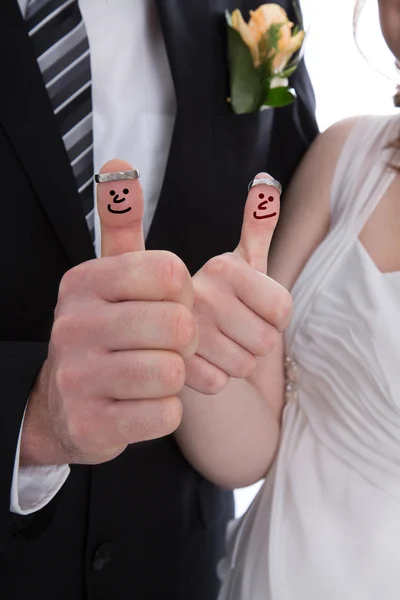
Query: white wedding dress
{"type": "Point", "coordinates": [326, 523]}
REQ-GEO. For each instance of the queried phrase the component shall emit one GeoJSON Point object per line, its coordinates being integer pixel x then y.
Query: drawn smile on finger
{"type": "Point", "coordinates": [263, 206]}
{"type": "Point", "coordinates": [117, 200]}
{"type": "Point", "coordinates": [118, 212]}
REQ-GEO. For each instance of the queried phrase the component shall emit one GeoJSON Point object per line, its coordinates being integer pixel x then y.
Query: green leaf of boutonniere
{"type": "Point", "coordinates": [245, 79]}
{"type": "Point", "coordinates": [280, 96]}
{"type": "Point", "coordinates": [287, 72]}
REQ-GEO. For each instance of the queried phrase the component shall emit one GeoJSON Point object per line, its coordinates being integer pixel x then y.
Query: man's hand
{"type": "Point", "coordinates": [122, 329]}
{"type": "Point", "coordinates": [240, 311]}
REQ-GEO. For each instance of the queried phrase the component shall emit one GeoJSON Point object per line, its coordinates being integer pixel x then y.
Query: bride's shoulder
{"type": "Point", "coordinates": [323, 154]}
{"type": "Point", "coordinates": [322, 158]}
{"type": "Point", "coordinates": [351, 131]}
{"type": "Point", "coordinates": [332, 140]}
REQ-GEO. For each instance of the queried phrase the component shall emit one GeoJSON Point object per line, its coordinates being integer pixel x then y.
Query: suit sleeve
{"type": "Point", "coordinates": [34, 487]}
{"type": "Point", "coordinates": [20, 363]}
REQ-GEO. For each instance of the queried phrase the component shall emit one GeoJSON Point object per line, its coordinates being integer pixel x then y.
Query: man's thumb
{"type": "Point", "coordinates": [120, 206]}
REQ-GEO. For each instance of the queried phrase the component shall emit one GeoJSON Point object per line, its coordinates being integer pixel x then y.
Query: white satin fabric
{"type": "Point", "coordinates": [326, 523]}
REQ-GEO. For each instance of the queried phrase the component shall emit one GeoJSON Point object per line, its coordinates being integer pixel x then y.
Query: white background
{"type": "Point", "coordinates": [345, 84]}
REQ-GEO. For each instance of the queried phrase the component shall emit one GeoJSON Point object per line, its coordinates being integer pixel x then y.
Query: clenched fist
{"type": "Point", "coordinates": [240, 310]}
{"type": "Point", "coordinates": [123, 328]}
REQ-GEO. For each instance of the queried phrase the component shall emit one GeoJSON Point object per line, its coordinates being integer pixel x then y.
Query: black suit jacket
{"type": "Point", "coordinates": [145, 525]}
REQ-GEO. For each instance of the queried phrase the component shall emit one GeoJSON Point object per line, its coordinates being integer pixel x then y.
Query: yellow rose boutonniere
{"type": "Point", "coordinates": [263, 54]}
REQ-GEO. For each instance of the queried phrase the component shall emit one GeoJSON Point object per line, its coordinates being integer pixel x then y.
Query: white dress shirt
{"type": "Point", "coordinates": [134, 108]}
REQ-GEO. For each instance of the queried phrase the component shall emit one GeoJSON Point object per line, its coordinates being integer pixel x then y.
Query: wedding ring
{"type": "Point", "coordinates": [266, 181]}
{"type": "Point", "coordinates": [117, 176]}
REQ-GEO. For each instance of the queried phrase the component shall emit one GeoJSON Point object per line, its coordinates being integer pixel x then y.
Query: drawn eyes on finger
{"type": "Point", "coordinates": [263, 206]}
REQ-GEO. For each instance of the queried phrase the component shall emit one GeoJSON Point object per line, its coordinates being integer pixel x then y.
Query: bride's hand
{"type": "Point", "coordinates": [239, 309]}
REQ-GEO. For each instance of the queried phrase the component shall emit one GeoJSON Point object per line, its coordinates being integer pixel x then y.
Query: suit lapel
{"type": "Point", "coordinates": [186, 27]}
{"type": "Point", "coordinates": [28, 119]}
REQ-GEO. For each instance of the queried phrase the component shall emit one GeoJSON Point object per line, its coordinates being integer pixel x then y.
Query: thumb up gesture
{"type": "Point", "coordinates": [123, 327]}
{"type": "Point", "coordinates": [240, 311]}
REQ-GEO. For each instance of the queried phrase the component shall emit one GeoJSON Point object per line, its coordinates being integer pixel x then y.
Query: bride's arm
{"type": "Point", "coordinates": [231, 438]}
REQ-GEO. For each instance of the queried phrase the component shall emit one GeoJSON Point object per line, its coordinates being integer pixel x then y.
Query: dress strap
{"type": "Point", "coordinates": [360, 180]}
{"type": "Point", "coordinates": [362, 174]}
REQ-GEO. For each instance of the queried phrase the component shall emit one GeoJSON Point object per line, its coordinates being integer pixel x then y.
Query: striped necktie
{"type": "Point", "coordinates": [61, 46]}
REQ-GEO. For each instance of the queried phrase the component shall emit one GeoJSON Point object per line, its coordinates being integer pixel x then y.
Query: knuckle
{"type": "Point", "coordinates": [217, 383]}
{"type": "Point", "coordinates": [122, 430]}
{"type": "Point", "coordinates": [67, 284]}
{"type": "Point", "coordinates": [79, 430]}
{"type": "Point", "coordinates": [268, 339]}
{"type": "Point", "coordinates": [154, 419]}
{"type": "Point", "coordinates": [172, 274]}
{"type": "Point", "coordinates": [184, 327]}
{"type": "Point", "coordinates": [67, 378]}
{"type": "Point", "coordinates": [283, 310]}
{"type": "Point", "coordinates": [220, 266]}
{"type": "Point", "coordinates": [242, 365]}
{"type": "Point", "coordinates": [172, 373]}
{"type": "Point", "coordinates": [171, 414]}
{"type": "Point", "coordinates": [71, 330]}
{"type": "Point", "coordinates": [141, 429]}
{"type": "Point", "coordinates": [214, 382]}
{"type": "Point", "coordinates": [73, 280]}
{"type": "Point", "coordinates": [117, 428]}
{"type": "Point", "coordinates": [61, 332]}
{"type": "Point", "coordinates": [164, 420]}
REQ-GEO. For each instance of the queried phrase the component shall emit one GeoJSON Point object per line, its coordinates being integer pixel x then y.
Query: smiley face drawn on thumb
{"type": "Point", "coordinates": [120, 205]}
{"type": "Point", "coordinates": [260, 217]}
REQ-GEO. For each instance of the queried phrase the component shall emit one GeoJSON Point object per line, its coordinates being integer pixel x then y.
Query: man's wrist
{"type": "Point", "coordinates": [39, 446]}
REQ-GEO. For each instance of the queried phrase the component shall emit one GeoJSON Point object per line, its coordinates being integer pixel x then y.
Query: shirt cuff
{"type": "Point", "coordinates": [34, 487]}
